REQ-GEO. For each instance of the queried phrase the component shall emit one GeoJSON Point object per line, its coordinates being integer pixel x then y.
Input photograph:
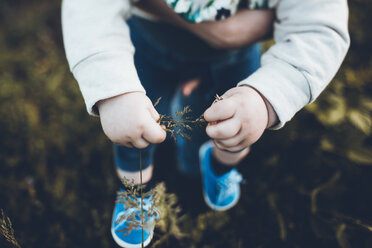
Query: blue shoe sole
{"type": "Point", "coordinates": [124, 244]}
{"type": "Point", "coordinates": [220, 208]}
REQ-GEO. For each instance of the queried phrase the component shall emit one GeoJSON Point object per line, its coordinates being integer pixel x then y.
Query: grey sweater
{"type": "Point", "coordinates": [311, 40]}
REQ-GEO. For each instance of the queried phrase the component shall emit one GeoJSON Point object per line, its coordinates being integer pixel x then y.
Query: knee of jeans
{"type": "Point", "coordinates": [189, 86]}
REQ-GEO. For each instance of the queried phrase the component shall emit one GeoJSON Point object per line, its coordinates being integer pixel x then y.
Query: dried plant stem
{"type": "Point", "coordinates": [181, 123]}
{"type": "Point", "coordinates": [217, 98]}
{"type": "Point", "coordinates": [175, 125]}
{"type": "Point", "coordinates": [6, 230]}
{"type": "Point", "coordinates": [140, 154]}
{"type": "Point", "coordinates": [157, 102]}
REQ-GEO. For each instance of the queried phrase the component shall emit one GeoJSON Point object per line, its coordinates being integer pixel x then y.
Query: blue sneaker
{"type": "Point", "coordinates": [220, 192]}
{"type": "Point", "coordinates": [126, 223]}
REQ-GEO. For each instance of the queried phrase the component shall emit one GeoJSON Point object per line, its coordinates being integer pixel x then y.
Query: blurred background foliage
{"type": "Point", "coordinates": [307, 185]}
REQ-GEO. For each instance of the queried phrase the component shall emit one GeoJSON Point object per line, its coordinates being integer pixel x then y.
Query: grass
{"type": "Point", "coordinates": [307, 185]}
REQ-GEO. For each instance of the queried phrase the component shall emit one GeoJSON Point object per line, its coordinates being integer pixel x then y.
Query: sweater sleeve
{"type": "Point", "coordinates": [99, 49]}
{"type": "Point", "coordinates": [311, 41]}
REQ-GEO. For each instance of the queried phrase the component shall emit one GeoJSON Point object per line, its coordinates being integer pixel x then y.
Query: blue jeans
{"type": "Point", "coordinates": [165, 58]}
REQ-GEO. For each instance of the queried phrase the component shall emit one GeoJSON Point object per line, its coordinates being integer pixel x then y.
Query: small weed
{"type": "Point", "coordinates": [7, 231]}
{"type": "Point", "coordinates": [178, 125]}
{"type": "Point", "coordinates": [181, 123]}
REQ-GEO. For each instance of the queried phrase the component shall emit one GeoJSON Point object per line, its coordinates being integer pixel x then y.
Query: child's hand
{"type": "Point", "coordinates": [131, 120]}
{"type": "Point", "coordinates": [237, 121]}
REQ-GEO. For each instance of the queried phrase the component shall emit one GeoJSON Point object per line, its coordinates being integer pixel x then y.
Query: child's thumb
{"type": "Point", "coordinates": [219, 111]}
{"type": "Point", "coordinates": [154, 133]}
{"type": "Point", "coordinates": [154, 114]}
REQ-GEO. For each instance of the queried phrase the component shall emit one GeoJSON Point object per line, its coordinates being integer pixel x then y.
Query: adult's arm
{"type": "Point", "coordinates": [241, 29]}
{"type": "Point", "coordinates": [99, 49]}
{"type": "Point", "coordinates": [311, 41]}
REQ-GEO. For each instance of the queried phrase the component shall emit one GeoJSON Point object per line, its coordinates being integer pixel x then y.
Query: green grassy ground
{"type": "Point", "coordinates": [307, 185]}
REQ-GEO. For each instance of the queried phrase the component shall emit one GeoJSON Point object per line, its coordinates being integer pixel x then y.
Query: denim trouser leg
{"type": "Point", "coordinates": [220, 78]}
{"type": "Point", "coordinates": [158, 82]}
{"type": "Point", "coordinates": [162, 69]}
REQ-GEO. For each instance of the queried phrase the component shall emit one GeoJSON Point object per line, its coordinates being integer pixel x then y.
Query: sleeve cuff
{"type": "Point", "coordinates": [283, 86]}
{"type": "Point", "coordinates": [106, 75]}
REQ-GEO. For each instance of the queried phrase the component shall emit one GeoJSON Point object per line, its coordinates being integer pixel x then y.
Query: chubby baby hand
{"type": "Point", "coordinates": [238, 120]}
{"type": "Point", "coordinates": [131, 120]}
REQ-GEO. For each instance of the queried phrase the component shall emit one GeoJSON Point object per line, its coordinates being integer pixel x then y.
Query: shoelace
{"type": "Point", "coordinates": [133, 211]}
{"type": "Point", "coordinates": [227, 184]}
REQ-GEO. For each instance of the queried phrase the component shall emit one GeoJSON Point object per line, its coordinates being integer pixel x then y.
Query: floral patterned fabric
{"type": "Point", "coordinates": [212, 10]}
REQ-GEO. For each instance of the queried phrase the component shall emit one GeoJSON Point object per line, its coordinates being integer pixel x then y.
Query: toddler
{"type": "Point", "coordinates": [125, 55]}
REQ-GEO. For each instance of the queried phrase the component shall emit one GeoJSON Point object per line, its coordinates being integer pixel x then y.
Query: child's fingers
{"type": "Point", "coordinates": [219, 111]}
{"type": "Point", "coordinates": [153, 132]}
{"type": "Point", "coordinates": [155, 115]}
{"type": "Point", "coordinates": [129, 144]}
{"type": "Point", "coordinates": [224, 130]}
{"type": "Point", "coordinates": [231, 142]}
{"type": "Point", "coordinates": [228, 93]}
{"type": "Point", "coordinates": [140, 143]}
{"type": "Point", "coordinates": [126, 144]}
{"type": "Point", "coordinates": [237, 148]}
